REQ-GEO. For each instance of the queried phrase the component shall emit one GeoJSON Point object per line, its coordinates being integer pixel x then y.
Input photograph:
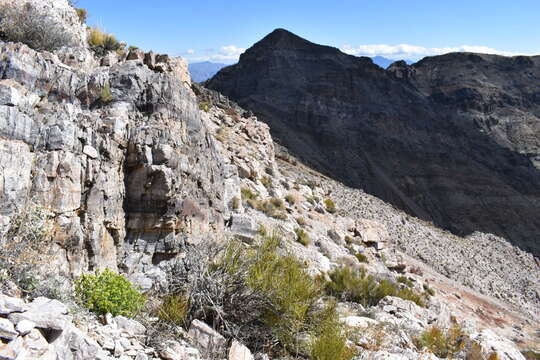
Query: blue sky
{"type": "Point", "coordinates": [220, 30]}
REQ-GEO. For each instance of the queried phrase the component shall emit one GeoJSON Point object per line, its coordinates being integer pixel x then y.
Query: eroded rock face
{"type": "Point", "coordinates": [451, 139]}
{"type": "Point", "coordinates": [135, 173]}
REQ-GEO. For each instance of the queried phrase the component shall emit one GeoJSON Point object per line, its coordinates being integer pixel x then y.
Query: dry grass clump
{"type": "Point", "coordinates": [102, 43]}
{"type": "Point", "coordinates": [302, 236]}
{"type": "Point", "coordinates": [272, 207]}
{"type": "Point", "coordinates": [22, 22]}
{"type": "Point", "coordinates": [330, 206]}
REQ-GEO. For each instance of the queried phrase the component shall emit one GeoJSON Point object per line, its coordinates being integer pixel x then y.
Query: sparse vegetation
{"type": "Point", "coordinates": [101, 43]}
{"type": "Point", "coordinates": [106, 95]}
{"type": "Point", "coordinates": [302, 236]}
{"type": "Point", "coordinates": [428, 290]}
{"type": "Point", "coordinates": [330, 337]}
{"type": "Point", "coordinates": [330, 206]}
{"type": "Point", "coordinates": [361, 258]}
{"type": "Point", "coordinates": [235, 202]}
{"type": "Point", "coordinates": [290, 199]}
{"type": "Point", "coordinates": [109, 292]}
{"type": "Point", "coordinates": [405, 280]}
{"type": "Point", "coordinates": [348, 240]}
{"type": "Point", "coordinates": [82, 14]}
{"type": "Point", "coordinates": [266, 181]}
{"type": "Point", "coordinates": [247, 194]}
{"type": "Point", "coordinates": [22, 22]}
{"type": "Point", "coordinates": [272, 207]}
{"type": "Point", "coordinates": [301, 221]}
{"type": "Point", "coordinates": [355, 285]}
{"type": "Point", "coordinates": [24, 246]}
{"type": "Point", "coordinates": [204, 106]}
{"type": "Point", "coordinates": [444, 344]}
{"type": "Point", "coordinates": [174, 309]}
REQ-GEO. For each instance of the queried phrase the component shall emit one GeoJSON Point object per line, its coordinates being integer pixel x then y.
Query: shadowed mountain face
{"type": "Point", "coordinates": [452, 139]}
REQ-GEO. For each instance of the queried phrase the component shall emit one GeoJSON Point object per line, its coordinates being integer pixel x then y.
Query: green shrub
{"type": "Point", "coordinates": [272, 207]}
{"type": "Point", "coordinates": [106, 95]}
{"type": "Point", "coordinates": [302, 236]}
{"type": "Point", "coordinates": [290, 199]}
{"type": "Point", "coordinates": [291, 291]}
{"type": "Point", "coordinates": [444, 344]}
{"type": "Point", "coordinates": [174, 309]}
{"type": "Point", "coordinates": [405, 280]}
{"type": "Point", "coordinates": [108, 292]}
{"type": "Point", "coordinates": [361, 258]}
{"type": "Point", "coordinates": [330, 337]}
{"type": "Point", "coordinates": [330, 206]}
{"type": "Point", "coordinates": [356, 286]}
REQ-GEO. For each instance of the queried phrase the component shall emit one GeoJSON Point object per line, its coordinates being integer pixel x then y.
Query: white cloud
{"type": "Point", "coordinates": [190, 51]}
{"type": "Point", "coordinates": [225, 54]}
{"type": "Point", "coordinates": [414, 52]}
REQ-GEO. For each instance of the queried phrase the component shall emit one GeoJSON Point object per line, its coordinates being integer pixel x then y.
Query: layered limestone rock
{"type": "Point", "coordinates": [451, 139]}
{"type": "Point", "coordinates": [133, 172]}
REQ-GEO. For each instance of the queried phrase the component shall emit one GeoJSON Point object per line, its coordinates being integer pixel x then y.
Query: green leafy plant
{"type": "Point", "coordinates": [109, 292]}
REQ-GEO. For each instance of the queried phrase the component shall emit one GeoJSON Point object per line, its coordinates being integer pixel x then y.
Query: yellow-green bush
{"type": "Point", "coordinates": [247, 194]}
{"type": "Point", "coordinates": [286, 284]}
{"type": "Point", "coordinates": [330, 206]}
{"type": "Point", "coordinates": [108, 292]}
{"type": "Point", "coordinates": [444, 344]}
{"type": "Point", "coordinates": [82, 14]}
{"type": "Point", "coordinates": [102, 42]}
{"type": "Point", "coordinates": [330, 338]}
{"type": "Point", "coordinates": [355, 285]}
{"type": "Point", "coordinates": [266, 181]}
{"type": "Point", "coordinates": [272, 207]}
{"type": "Point", "coordinates": [302, 236]}
{"type": "Point", "coordinates": [405, 280]}
{"type": "Point", "coordinates": [361, 257]}
{"type": "Point", "coordinates": [106, 95]}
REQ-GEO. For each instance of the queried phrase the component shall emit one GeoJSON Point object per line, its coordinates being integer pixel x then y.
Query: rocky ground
{"type": "Point", "coordinates": [134, 180]}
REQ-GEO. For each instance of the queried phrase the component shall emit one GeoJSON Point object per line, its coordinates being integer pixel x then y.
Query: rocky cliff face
{"type": "Point", "coordinates": [452, 139]}
{"type": "Point", "coordinates": [133, 169]}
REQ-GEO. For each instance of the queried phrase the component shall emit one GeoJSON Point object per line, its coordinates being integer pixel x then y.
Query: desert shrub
{"type": "Point", "coordinates": [313, 200]}
{"type": "Point", "coordinates": [266, 181]}
{"type": "Point", "coordinates": [204, 106]}
{"type": "Point", "coordinates": [301, 221]}
{"type": "Point", "coordinates": [302, 236]}
{"type": "Point", "coordinates": [405, 280]}
{"type": "Point", "coordinates": [330, 206]}
{"type": "Point", "coordinates": [133, 48]}
{"type": "Point", "coordinates": [330, 341]}
{"type": "Point", "coordinates": [290, 199]}
{"type": "Point", "coordinates": [235, 202]}
{"type": "Point", "coordinates": [106, 95]}
{"type": "Point", "coordinates": [82, 14]}
{"type": "Point", "coordinates": [442, 343]}
{"type": "Point", "coordinates": [23, 246]}
{"type": "Point", "coordinates": [355, 285]}
{"type": "Point", "coordinates": [24, 23]}
{"type": "Point", "coordinates": [108, 292]}
{"type": "Point", "coordinates": [361, 257]}
{"type": "Point", "coordinates": [174, 309]}
{"type": "Point", "coordinates": [348, 239]}
{"type": "Point", "coordinates": [291, 291]}
{"type": "Point", "coordinates": [272, 207]}
{"type": "Point", "coordinates": [247, 194]}
{"type": "Point", "coordinates": [531, 355]}
{"type": "Point", "coordinates": [102, 43]}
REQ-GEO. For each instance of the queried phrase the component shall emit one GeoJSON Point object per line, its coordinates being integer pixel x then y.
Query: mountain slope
{"type": "Point", "coordinates": [451, 139]}
{"type": "Point", "coordinates": [201, 71]}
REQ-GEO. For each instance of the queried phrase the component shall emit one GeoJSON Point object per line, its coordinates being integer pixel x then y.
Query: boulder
{"type": "Point", "coordinates": [7, 330]}
{"type": "Point", "coordinates": [206, 338]}
{"type": "Point", "coordinates": [239, 351]}
{"type": "Point", "coordinates": [486, 344]}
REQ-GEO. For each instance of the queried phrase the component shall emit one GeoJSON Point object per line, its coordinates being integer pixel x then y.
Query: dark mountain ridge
{"type": "Point", "coordinates": [453, 139]}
